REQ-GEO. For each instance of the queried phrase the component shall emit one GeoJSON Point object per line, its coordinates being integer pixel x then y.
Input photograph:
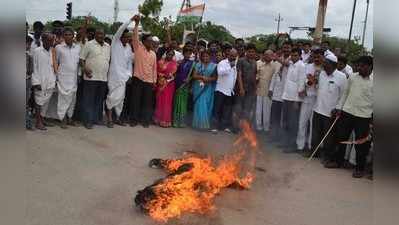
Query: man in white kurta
{"type": "Point", "coordinates": [265, 70]}
{"type": "Point", "coordinates": [294, 89]}
{"type": "Point", "coordinates": [68, 66]}
{"type": "Point", "coordinates": [312, 71]}
{"type": "Point", "coordinates": [43, 78]}
{"type": "Point", "coordinates": [120, 71]}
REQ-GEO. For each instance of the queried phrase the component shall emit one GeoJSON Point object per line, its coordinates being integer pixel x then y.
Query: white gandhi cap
{"type": "Point", "coordinates": [332, 58]}
{"type": "Point", "coordinates": [155, 39]}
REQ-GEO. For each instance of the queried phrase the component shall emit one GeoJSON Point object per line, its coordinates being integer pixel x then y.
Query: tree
{"type": "Point", "coordinates": [151, 9]}
{"type": "Point", "coordinates": [78, 21]}
{"type": "Point", "coordinates": [352, 50]}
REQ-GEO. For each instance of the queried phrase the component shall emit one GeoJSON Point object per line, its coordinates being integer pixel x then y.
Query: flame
{"type": "Point", "coordinates": [194, 180]}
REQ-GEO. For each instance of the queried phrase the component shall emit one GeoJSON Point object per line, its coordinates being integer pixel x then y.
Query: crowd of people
{"type": "Point", "coordinates": [304, 96]}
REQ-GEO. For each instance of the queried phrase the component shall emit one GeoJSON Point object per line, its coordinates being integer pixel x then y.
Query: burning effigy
{"type": "Point", "coordinates": [194, 180]}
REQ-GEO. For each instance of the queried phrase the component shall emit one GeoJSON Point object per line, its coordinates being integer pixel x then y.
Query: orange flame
{"type": "Point", "coordinates": [193, 190]}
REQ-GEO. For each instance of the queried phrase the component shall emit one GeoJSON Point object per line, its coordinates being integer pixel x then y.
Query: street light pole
{"type": "Point", "coordinates": [365, 22]}
{"type": "Point", "coordinates": [353, 17]}
{"type": "Point", "coordinates": [279, 19]}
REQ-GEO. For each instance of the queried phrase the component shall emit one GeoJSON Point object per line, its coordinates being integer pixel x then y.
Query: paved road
{"type": "Point", "coordinates": [88, 177]}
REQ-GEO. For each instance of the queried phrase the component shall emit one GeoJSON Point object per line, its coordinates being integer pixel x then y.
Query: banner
{"type": "Point", "coordinates": [191, 15]}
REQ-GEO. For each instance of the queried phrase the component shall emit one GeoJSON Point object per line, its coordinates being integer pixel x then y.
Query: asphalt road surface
{"type": "Point", "coordinates": [89, 177]}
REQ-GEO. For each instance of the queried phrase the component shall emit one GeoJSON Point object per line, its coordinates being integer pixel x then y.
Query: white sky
{"type": "Point", "coordinates": [243, 18]}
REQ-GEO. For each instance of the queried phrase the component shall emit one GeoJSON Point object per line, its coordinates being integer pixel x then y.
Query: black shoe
{"type": "Point", "coordinates": [110, 124]}
{"type": "Point", "coordinates": [120, 123]}
{"type": "Point", "coordinates": [89, 126]}
{"type": "Point", "coordinates": [133, 123]}
{"type": "Point", "coordinates": [357, 173]}
{"type": "Point", "coordinates": [145, 125]}
{"type": "Point", "coordinates": [64, 124]}
{"type": "Point", "coordinates": [48, 123]}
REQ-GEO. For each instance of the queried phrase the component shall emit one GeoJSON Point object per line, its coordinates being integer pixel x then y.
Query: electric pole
{"type": "Point", "coordinates": [116, 10]}
{"type": "Point", "coordinates": [321, 16]}
{"type": "Point", "coordinates": [353, 17]}
{"type": "Point", "coordinates": [365, 23]}
{"type": "Point", "coordinates": [278, 20]}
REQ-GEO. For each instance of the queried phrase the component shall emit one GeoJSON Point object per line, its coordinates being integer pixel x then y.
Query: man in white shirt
{"type": "Point", "coordinates": [312, 72]}
{"type": "Point", "coordinates": [357, 113]}
{"type": "Point", "coordinates": [43, 78]}
{"type": "Point", "coordinates": [94, 58]}
{"type": "Point", "coordinates": [38, 28]}
{"type": "Point", "coordinates": [120, 71]}
{"type": "Point", "coordinates": [294, 91]}
{"type": "Point", "coordinates": [68, 66]}
{"type": "Point", "coordinates": [266, 68]}
{"type": "Point", "coordinates": [276, 89]}
{"type": "Point", "coordinates": [330, 88]}
{"type": "Point", "coordinates": [227, 76]}
{"type": "Point", "coordinates": [344, 67]}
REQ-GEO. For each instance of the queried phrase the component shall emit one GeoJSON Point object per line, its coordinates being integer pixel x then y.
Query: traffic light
{"type": "Point", "coordinates": [69, 11]}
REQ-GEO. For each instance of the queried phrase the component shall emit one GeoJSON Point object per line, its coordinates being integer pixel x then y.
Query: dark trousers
{"type": "Point", "coordinates": [275, 120]}
{"type": "Point", "coordinates": [78, 114]}
{"type": "Point", "coordinates": [127, 102]}
{"type": "Point", "coordinates": [93, 96]}
{"type": "Point", "coordinates": [291, 111]}
{"type": "Point", "coordinates": [320, 126]}
{"type": "Point", "coordinates": [346, 124]}
{"type": "Point", "coordinates": [142, 101]}
{"type": "Point", "coordinates": [243, 109]}
{"type": "Point", "coordinates": [222, 110]}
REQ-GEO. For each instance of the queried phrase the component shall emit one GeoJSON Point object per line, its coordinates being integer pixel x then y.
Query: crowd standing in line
{"type": "Point", "coordinates": [299, 95]}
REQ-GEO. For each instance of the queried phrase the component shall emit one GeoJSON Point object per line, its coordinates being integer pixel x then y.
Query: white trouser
{"type": "Point", "coordinates": [42, 98]}
{"type": "Point", "coordinates": [66, 105]}
{"type": "Point", "coordinates": [115, 99]}
{"type": "Point", "coordinates": [305, 123]}
{"type": "Point", "coordinates": [350, 153]}
{"type": "Point", "coordinates": [263, 109]}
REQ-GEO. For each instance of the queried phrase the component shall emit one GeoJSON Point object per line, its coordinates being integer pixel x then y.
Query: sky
{"type": "Point", "coordinates": [243, 18]}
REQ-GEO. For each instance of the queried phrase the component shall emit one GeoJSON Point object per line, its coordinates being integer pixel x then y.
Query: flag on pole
{"type": "Point", "coordinates": [192, 14]}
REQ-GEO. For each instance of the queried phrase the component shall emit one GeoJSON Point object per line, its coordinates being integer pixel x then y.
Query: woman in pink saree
{"type": "Point", "coordinates": [165, 90]}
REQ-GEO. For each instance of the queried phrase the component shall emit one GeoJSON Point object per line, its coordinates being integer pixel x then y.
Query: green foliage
{"type": "Point", "coordinates": [151, 7]}
{"type": "Point", "coordinates": [211, 32]}
{"type": "Point", "coordinates": [78, 21]}
{"type": "Point", "coordinates": [262, 41]}
{"type": "Point", "coordinates": [352, 50]}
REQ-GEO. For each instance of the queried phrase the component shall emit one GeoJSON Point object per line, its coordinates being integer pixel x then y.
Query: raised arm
{"type": "Point", "coordinates": [120, 30]}
{"type": "Point", "coordinates": [135, 38]}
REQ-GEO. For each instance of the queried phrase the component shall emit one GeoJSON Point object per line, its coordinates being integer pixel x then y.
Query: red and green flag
{"type": "Point", "coordinates": [192, 14]}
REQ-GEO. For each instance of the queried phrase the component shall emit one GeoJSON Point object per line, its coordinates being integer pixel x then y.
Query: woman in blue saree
{"type": "Point", "coordinates": [204, 76]}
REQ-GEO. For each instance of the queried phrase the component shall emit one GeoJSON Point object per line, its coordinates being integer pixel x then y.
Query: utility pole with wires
{"type": "Point", "coordinates": [278, 20]}
{"type": "Point", "coordinates": [365, 22]}
{"type": "Point", "coordinates": [116, 10]}
{"type": "Point", "coordinates": [353, 18]}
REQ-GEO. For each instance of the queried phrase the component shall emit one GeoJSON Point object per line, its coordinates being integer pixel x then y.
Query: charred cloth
{"type": "Point", "coordinates": [193, 181]}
